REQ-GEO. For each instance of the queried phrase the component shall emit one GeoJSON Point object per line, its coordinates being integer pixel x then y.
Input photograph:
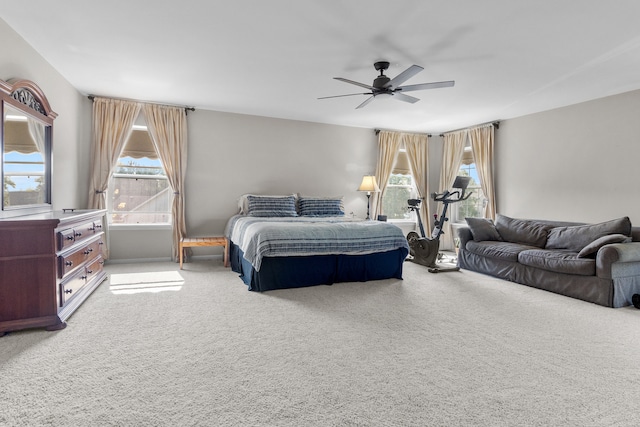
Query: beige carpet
{"type": "Point", "coordinates": [195, 348]}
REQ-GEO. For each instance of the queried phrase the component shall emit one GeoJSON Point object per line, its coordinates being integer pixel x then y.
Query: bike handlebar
{"type": "Point", "coordinates": [447, 196]}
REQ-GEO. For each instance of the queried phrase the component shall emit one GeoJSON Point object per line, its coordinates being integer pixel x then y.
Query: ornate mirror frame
{"type": "Point", "coordinates": [25, 97]}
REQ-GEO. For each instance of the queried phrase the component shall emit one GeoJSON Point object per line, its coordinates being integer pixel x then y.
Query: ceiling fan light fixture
{"type": "Point", "coordinates": [384, 95]}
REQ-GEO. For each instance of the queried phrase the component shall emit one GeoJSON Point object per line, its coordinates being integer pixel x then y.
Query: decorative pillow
{"type": "Point", "coordinates": [483, 229]}
{"type": "Point", "coordinates": [319, 206]}
{"type": "Point", "coordinates": [243, 201]}
{"type": "Point", "coordinates": [523, 231]}
{"type": "Point", "coordinates": [593, 247]}
{"type": "Point", "coordinates": [243, 204]}
{"type": "Point", "coordinates": [272, 206]}
{"type": "Point", "coordinates": [578, 236]}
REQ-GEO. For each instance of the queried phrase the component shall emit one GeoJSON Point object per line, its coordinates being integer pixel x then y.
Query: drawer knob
{"type": "Point", "coordinates": [83, 277]}
{"type": "Point", "coordinates": [69, 237]}
{"type": "Point", "coordinates": [77, 234]}
{"type": "Point", "coordinates": [98, 226]}
{"type": "Point", "coordinates": [68, 263]}
{"type": "Point", "coordinates": [89, 271]}
{"type": "Point", "coordinates": [68, 291]}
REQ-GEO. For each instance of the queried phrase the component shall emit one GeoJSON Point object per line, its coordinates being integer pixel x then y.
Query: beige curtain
{"type": "Point", "coordinates": [417, 147]}
{"type": "Point", "coordinates": [388, 145]}
{"type": "Point", "coordinates": [482, 141]}
{"type": "Point", "coordinates": [168, 129]}
{"type": "Point", "coordinates": [453, 150]}
{"type": "Point", "coordinates": [37, 132]}
{"type": "Point", "coordinates": [112, 123]}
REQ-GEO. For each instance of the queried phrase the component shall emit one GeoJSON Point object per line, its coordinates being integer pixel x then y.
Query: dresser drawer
{"type": "Point", "coordinates": [72, 285]}
{"type": "Point", "coordinates": [65, 238]}
{"type": "Point", "coordinates": [94, 267]}
{"type": "Point", "coordinates": [69, 261]}
{"type": "Point", "coordinates": [70, 236]}
{"type": "Point", "coordinates": [87, 230]}
{"type": "Point", "coordinates": [77, 280]}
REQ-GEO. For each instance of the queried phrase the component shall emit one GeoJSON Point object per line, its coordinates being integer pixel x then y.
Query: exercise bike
{"type": "Point", "coordinates": [427, 251]}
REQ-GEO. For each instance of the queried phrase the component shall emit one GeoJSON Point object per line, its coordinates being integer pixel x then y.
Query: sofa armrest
{"type": "Point", "coordinates": [616, 252]}
{"type": "Point", "coordinates": [464, 234]}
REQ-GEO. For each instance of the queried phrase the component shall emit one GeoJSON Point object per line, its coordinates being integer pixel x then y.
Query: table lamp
{"type": "Point", "coordinates": [369, 185]}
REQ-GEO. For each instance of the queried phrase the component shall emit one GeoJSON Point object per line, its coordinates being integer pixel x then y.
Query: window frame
{"type": "Point", "coordinates": [163, 176]}
{"type": "Point", "coordinates": [454, 211]}
{"type": "Point", "coordinates": [413, 190]}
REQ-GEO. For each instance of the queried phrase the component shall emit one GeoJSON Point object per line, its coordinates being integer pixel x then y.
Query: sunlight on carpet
{"type": "Point", "coordinates": [155, 281]}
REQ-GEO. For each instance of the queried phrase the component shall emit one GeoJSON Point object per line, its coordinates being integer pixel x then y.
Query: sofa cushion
{"type": "Point", "coordinates": [483, 229]}
{"type": "Point", "coordinates": [578, 236]}
{"type": "Point", "coordinates": [506, 251]}
{"type": "Point", "coordinates": [593, 247]}
{"type": "Point", "coordinates": [558, 261]}
{"type": "Point", "coordinates": [523, 231]}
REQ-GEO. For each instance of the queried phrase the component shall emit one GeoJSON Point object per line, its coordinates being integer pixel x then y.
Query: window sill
{"type": "Point", "coordinates": [135, 227]}
{"type": "Point", "coordinates": [402, 221]}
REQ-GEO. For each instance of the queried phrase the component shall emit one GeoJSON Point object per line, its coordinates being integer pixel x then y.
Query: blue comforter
{"type": "Point", "coordinates": [303, 236]}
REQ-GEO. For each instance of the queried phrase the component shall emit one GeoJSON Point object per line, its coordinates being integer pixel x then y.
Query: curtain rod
{"type": "Point", "coordinates": [186, 109]}
{"type": "Point", "coordinates": [377, 131]}
{"type": "Point", "coordinates": [495, 124]}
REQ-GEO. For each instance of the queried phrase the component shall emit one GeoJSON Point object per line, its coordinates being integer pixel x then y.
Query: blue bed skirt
{"type": "Point", "coordinates": [301, 271]}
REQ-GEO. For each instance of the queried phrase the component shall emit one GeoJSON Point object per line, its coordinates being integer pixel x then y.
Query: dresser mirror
{"type": "Point", "coordinates": [26, 142]}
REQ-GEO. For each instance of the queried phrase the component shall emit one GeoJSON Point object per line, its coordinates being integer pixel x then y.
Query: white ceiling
{"type": "Point", "coordinates": [276, 57]}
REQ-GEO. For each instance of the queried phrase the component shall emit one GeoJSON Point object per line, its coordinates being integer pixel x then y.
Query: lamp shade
{"type": "Point", "coordinates": [369, 184]}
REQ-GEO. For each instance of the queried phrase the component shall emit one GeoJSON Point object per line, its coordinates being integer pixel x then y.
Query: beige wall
{"type": "Point", "coordinates": [578, 163]}
{"type": "Point", "coordinates": [71, 132]}
{"type": "Point", "coordinates": [232, 154]}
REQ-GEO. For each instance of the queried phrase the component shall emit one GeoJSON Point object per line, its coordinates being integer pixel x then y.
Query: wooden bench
{"type": "Point", "coordinates": [188, 242]}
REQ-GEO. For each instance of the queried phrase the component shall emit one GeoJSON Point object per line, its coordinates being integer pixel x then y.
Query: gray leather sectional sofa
{"type": "Point", "coordinates": [599, 263]}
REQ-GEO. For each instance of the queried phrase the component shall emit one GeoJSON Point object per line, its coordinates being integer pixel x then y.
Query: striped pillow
{"type": "Point", "coordinates": [243, 201]}
{"type": "Point", "coordinates": [272, 206]}
{"type": "Point", "coordinates": [312, 206]}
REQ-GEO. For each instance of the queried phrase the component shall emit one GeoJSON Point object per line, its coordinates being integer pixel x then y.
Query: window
{"type": "Point", "coordinates": [474, 205]}
{"type": "Point", "coordinates": [139, 191]}
{"type": "Point", "coordinates": [23, 179]}
{"type": "Point", "coordinates": [400, 188]}
{"type": "Point", "coordinates": [23, 160]}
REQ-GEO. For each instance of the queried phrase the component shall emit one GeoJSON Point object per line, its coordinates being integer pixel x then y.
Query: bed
{"type": "Point", "coordinates": [297, 247]}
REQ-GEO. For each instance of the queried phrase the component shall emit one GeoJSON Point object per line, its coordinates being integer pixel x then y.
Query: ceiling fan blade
{"type": "Point", "coordinates": [354, 83]}
{"type": "Point", "coordinates": [404, 76]}
{"type": "Point", "coordinates": [406, 98]}
{"type": "Point", "coordinates": [350, 94]}
{"type": "Point", "coordinates": [424, 86]}
{"type": "Point", "coordinates": [368, 100]}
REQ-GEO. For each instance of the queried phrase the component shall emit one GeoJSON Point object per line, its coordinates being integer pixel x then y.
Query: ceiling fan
{"type": "Point", "coordinates": [385, 87]}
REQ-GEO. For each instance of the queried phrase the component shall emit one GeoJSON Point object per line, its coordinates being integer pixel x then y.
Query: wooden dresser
{"type": "Point", "coordinates": [49, 264]}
